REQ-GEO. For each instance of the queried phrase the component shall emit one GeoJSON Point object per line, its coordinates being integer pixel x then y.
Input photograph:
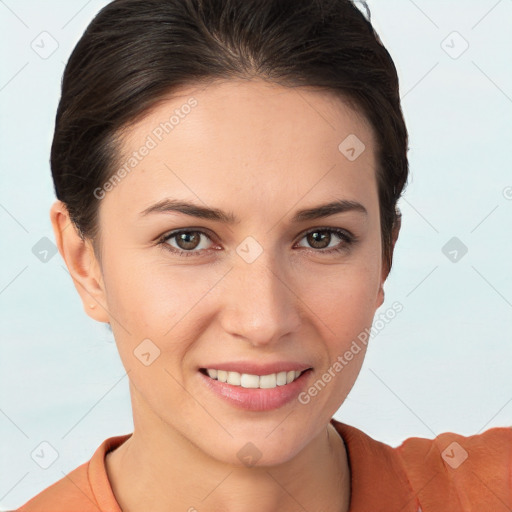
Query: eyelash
{"type": "Point", "coordinates": [348, 238]}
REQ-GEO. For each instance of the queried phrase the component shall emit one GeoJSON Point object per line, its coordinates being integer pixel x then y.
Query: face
{"type": "Point", "coordinates": [253, 288]}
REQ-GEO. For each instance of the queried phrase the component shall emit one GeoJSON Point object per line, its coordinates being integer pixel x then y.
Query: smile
{"type": "Point", "coordinates": [247, 380]}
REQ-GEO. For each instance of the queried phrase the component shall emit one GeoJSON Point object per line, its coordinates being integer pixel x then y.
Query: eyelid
{"type": "Point", "coordinates": [333, 229]}
{"type": "Point", "coordinates": [187, 229]}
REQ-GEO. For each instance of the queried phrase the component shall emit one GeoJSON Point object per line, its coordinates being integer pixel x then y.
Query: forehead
{"type": "Point", "coordinates": [254, 106]}
{"type": "Point", "coordinates": [253, 137]}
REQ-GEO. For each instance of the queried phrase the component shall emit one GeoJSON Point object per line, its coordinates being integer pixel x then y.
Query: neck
{"type": "Point", "coordinates": [158, 469]}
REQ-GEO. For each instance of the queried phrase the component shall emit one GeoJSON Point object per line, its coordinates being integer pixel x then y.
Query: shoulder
{"type": "Point", "coordinates": [85, 489]}
{"type": "Point", "coordinates": [450, 472]}
{"type": "Point", "coordinates": [70, 493]}
{"type": "Point", "coordinates": [472, 472]}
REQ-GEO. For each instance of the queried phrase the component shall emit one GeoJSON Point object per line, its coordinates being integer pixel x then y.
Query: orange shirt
{"type": "Point", "coordinates": [450, 473]}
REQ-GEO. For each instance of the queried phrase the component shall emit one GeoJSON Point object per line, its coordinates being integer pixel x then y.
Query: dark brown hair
{"type": "Point", "coordinates": [135, 52]}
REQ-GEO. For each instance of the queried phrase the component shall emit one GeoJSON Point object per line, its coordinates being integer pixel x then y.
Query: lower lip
{"type": "Point", "coordinates": [257, 399]}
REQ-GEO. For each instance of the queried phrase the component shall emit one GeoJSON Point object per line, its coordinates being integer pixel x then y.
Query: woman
{"type": "Point", "coordinates": [227, 175]}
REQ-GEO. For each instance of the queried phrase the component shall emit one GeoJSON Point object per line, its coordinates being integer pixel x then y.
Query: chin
{"type": "Point", "coordinates": [258, 449]}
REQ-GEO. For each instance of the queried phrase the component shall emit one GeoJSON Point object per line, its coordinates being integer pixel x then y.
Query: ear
{"type": "Point", "coordinates": [83, 266]}
{"type": "Point", "coordinates": [385, 268]}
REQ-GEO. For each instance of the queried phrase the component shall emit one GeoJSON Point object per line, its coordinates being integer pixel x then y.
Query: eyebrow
{"type": "Point", "coordinates": [215, 214]}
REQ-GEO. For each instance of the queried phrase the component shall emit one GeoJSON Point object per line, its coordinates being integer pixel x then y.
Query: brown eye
{"type": "Point", "coordinates": [188, 240]}
{"type": "Point", "coordinates": [319, 239]}
{"type": "Point", "coordinates": [185, 242]}
{"type": "Point", "coordinates": [328, 240]}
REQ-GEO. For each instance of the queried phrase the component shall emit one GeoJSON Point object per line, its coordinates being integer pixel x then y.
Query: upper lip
{"type": "Point", "coordinates": [254, 368]}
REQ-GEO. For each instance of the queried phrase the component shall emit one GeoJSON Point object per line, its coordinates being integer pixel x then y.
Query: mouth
{"type": "Point", "coordinates": [253, 381]}
{"type": "Point", "coordinates": [256, 386]}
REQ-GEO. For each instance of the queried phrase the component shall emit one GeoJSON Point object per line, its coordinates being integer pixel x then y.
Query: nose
{"type": "Point", "coordinates": [260, 304]}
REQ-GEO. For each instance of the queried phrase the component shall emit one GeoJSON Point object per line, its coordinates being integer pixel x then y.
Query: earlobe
{"type": "Point", "coordinates": [380, 296]}
{"type": "Point", "coordinates": [81, 262]}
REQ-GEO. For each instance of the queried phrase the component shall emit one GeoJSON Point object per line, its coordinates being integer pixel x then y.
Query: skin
{"type": "Point", "coordinates": [260, 151]}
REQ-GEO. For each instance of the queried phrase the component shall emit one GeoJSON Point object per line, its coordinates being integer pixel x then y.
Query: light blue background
{"type": "Point", "coordinates": [443, 364]}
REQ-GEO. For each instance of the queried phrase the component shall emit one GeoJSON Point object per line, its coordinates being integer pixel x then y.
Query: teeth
{"type": "Point", "coordinates": [268, 381]}
{"type": "Point", "coordinates": [247, 380]}
{"type": "Point", "coordinates": [281, 379]}
{"type": "Point", "coordinates": [234, 378]}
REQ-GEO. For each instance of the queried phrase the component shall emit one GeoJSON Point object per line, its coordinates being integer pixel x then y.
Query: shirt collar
{"type": "Point", "coordinates": [377, 476]}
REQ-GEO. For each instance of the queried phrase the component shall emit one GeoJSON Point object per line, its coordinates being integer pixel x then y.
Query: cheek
{"type": "Point", "coordinates": [154, 300]}
{"type": "Point", "coordinates": [344, 300]}
{"type": "Point", "coordinates": [149, 300]}
{"type": "Point", "coordinates": [344, 304]}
